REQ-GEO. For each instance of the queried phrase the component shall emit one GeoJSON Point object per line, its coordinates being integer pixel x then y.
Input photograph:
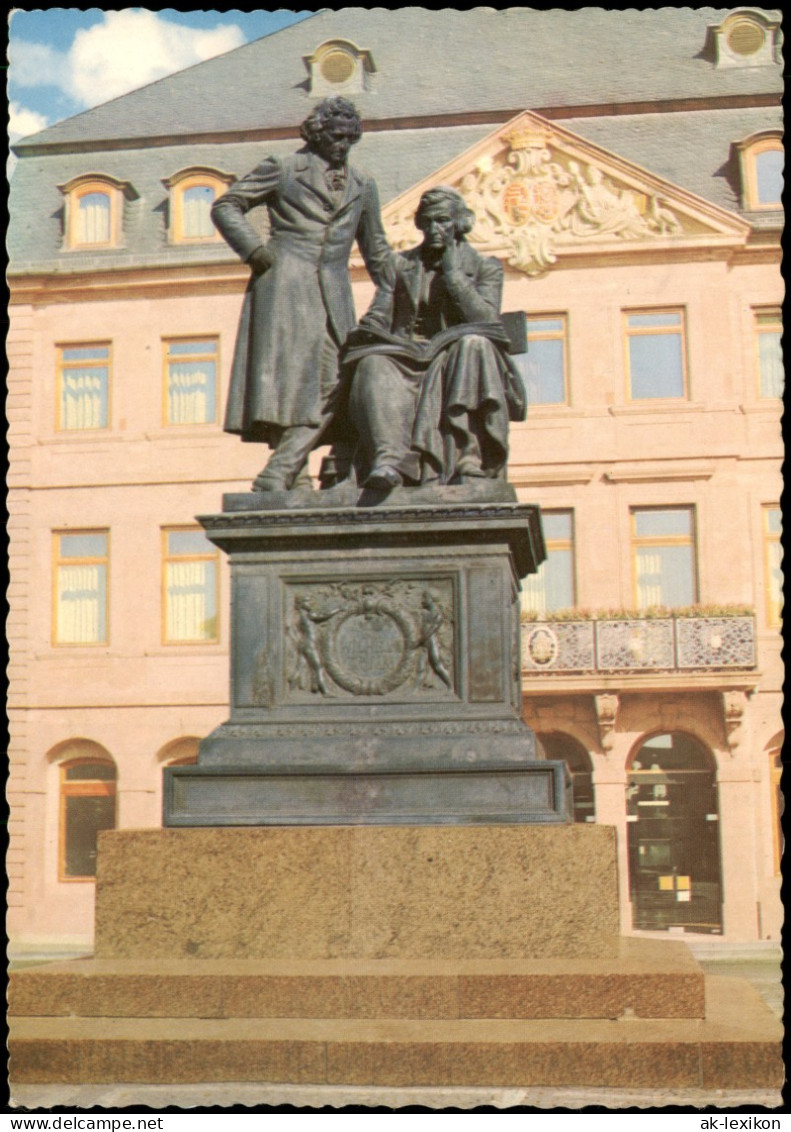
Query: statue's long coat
{"type": "Point", "coordinates": [275, 380]}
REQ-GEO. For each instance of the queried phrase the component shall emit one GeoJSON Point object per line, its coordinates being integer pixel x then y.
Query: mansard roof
{"type": "Point", "coordinates": [605, 75]}
{"type": "Point", "coordinates": [436, 63]}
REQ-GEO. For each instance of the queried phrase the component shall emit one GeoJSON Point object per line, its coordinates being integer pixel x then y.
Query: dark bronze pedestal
{"type": "Point", "coordinates": [375, 673]}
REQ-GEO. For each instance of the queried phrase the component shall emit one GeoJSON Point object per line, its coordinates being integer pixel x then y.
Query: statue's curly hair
{"type": "Point", "coordinates": [445, 195]}
{"type": "Point", "coordinates": [330, 110]}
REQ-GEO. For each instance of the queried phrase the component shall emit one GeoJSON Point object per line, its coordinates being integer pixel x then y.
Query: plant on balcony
{"type": "Point", "coordinates": [652, 613]}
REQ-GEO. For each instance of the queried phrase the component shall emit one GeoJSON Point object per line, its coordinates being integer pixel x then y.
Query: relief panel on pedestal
{"type": "Point", "coordinates": [370, 638]}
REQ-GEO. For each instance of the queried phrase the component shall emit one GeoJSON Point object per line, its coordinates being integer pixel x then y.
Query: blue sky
{"type": "Point", "coordinates": [65, 60]}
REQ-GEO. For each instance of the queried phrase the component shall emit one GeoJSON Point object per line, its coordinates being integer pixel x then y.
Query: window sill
{"type": "Point", "coordinates": [184, 432]}
{"type": "Point", "coordinates": [559, 410]}
{"type": "Point", "coordinates": [651, 407]}
{"type": "Point", "coordinates": [89, 436]}
{"type": "Point", "coordinates": [769, 405]}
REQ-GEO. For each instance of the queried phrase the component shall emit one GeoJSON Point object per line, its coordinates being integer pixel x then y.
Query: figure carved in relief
{"type": "Point", "coordinates": [431, 621]}
{"type": "Point", "coordinates": [433, 387]}
{"type": "Point", "coordinates": [307, 642]}
{"type": "Point", "coordinates": [298, 308]}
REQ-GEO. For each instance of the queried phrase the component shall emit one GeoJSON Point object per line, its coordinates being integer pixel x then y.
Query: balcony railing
{"type": "Point", "coordinates": [666, 644]}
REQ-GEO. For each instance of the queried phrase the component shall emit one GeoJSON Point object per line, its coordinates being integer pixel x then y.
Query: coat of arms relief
{"type": "Point", "coordinates": [534, 197]}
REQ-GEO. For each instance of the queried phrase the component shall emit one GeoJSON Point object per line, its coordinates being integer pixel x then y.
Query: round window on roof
{"type": "Point", "coordinates": [746, 37]}
{"type": "Point", "coordinates": [337, 66]}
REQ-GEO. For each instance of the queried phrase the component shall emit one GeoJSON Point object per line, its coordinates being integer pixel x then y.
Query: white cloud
{"type": "Point", "coordinates": [133, 47]}
{"type": "Point", "coordinates": [128, 49]}
{"type": "Point", "coordinates": [22, 121]}
{"type": "Point", "coordinates": [36, 64]}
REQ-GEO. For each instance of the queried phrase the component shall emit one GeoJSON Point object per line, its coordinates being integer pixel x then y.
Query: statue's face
{"type": "Point", "coordinates": [439, 226]}
{"type": "Point", "coordinates": [335, 141]}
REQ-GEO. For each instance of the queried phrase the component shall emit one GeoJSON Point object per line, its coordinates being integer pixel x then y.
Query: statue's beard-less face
{"type": "Point", "coordinates": [439, 230]}
{"type": "Point", "coordinates": [334, 142]}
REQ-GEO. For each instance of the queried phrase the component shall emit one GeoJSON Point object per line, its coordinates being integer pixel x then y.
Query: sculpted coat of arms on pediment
{"type": "Point", "coordinates": [537, 191]}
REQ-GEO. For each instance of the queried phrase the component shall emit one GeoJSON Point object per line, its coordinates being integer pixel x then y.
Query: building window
{"type": "Point", "coordinates": [543, 367]}
{"type": "Point", "coordinates": [773, 557]}
{"type": "Point", "coordinates": [87, 805]}
{"type": "Point", "coordinates": [80, 573]}
{"type": "Point", "coordinates": [191, 370]}
{"type": "Point", "coordinates": [192, 194]}
{"type": "Point", "coordinates": [655, 355]}
{"type": "Point", "coordinates": [190, 587]}
{"type": "Point", "coordinates": [553, 586]}
{"type": "Point", "coordinates": [180, 752]}
{"type": "Point", "coordinates": [778, 805]}
{"type": "Point", "coordinates": [94, 211]}
{"type": "Point", "coordinates": [746, 38]}
{"type": "Point", "coordinates": [84, 386]}
{"type": "Point", "coordinates": [769, 332]}
{"type": "Point", "coordinates": [338, 67]}
{"type": "Point", "coordinates": [761, 164]}
{"type": "Point", "coordinates": [664, 558]}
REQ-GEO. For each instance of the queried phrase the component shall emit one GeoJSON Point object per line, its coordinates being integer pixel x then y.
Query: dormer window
{"type": "Point", "coordinates": [761, 167]}
{"type": "Point", "coordinates": [192, 193]}
{"type": "Point", "coordinates": [338, 67]}
{"type": "Point", "coordinates": [94, 211]}
{"type": "Point", "coordinates": [746, 38]}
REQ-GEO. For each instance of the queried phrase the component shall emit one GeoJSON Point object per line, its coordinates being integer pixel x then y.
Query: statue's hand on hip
{"type": "Point", "coordinates": [261, 259]}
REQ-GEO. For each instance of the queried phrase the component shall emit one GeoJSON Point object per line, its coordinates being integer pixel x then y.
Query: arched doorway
{"type": "Point", "coordinates": [87, 805]}
{"type": "Point", "coordinates": [673, 836]}
{"type": "Point", "coordinates": [557, 745]}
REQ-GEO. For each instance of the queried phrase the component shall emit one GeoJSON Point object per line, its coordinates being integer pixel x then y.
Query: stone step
{"type": "Point", "coordinates": [645, 978]}
{"type": "Point", "coordinates": [738, 1045]}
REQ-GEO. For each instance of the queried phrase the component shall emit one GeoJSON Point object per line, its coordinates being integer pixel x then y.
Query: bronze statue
{"type": "Point", "coordinates": [298, 307]}
{"type": "Point", "coordinates": [434, 388]}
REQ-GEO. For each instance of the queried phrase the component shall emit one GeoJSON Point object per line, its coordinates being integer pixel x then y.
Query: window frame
{"type": "Point", "coordinates": [211, 556]}
{"type": "Point", "coordinates": [61, 365]}
{"type": "Point", "coordinates": [80, 187]}
{"type": "Point", "coordinates": [84, 788]}
{"type": "Point", "coordinates": [562, 336]}
{"type": "Point", "coordinates": [773, 618]}
{"type": "Point", "coordinates": [177, 185]}
{"type": "Point", "coordinates": [89, 560]}
{"type": "Point", "coordinates": [749, 150]}
{"type": "Point", "coordinates": [559, 544]}
{"type": "Point", "coordinates": [166, 360]}
{"type": "Point", "coordinates": [775, 775]}
{"type": "Point", "coordinates": [760, 328]}
{"type": "Point", "coordinates": [647, 541]}
{"type": "Point", "coordinates": [654, 331]}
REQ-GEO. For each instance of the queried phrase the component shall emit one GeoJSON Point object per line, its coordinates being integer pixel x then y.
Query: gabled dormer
{"type": "Point", "coordinates": [338, 66]}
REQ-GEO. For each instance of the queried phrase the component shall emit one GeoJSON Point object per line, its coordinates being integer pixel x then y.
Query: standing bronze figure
{"type": "Point", "coordinates": [298, 307]}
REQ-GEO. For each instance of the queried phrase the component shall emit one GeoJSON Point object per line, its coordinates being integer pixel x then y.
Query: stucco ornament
{"type": "Point", "coordinates": [533, 198]}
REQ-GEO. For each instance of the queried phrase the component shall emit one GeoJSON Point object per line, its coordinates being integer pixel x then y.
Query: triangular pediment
{"type": "Point", "coordinates": [541, 193]}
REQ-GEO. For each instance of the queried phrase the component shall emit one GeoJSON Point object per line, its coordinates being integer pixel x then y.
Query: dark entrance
{"type": "Point", "coordinates": [673, 836]}
{"type": "Point", "coordinates": [559, 746]}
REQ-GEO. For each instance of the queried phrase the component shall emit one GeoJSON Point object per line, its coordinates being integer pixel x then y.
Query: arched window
{"type": "Point", "coordinates": [94, 211]}
{"type": "Point", "coordinates": [192, 193]}
{"type": "Point", "coordinates": [87, 805]}
{"type": "Point", "coordinates": [559, 746]}
{"type": "Point", "coordinates": [761, 161]}
{"type": "Point", "coordinates": [180, 752]}
{"type": "Point", "coordinates": [673, 835]}
{"type": "Point", "coordinates": [778, 804]}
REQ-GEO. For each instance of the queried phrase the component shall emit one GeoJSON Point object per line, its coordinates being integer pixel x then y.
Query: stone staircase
{"type": "Point", "coordinates": [616, 1013]}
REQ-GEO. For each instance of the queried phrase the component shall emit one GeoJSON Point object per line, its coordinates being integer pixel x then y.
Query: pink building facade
{"type": "Point", "coordinates": [651, 645]}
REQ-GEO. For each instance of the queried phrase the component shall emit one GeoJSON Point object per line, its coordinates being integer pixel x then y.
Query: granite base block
{"type": "Point", "coordinates": [368, 891]}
